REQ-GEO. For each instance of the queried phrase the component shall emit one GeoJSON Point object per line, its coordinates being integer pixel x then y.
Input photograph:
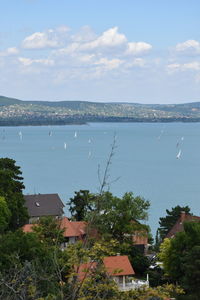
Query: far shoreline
{"type": "Point", "coordinates": [150, 121]}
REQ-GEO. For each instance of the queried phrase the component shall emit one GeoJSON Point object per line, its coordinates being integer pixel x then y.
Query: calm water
{"type": "Point", "coordinates": [64, 159]}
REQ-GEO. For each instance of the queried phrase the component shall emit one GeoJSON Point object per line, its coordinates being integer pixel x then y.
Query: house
{"type": "Point", "coordinates": [72, 231]}
{"type": "Point", "coordinates": [40, 205]}
{"type": "Point", "coordinates": [118, 267]}
{"type": "Point", "coordinates": [139, 236]}
{"type": "Point", "coordinates": [178, 226]}
{"type": "Point", "coordinates": [140, 240]}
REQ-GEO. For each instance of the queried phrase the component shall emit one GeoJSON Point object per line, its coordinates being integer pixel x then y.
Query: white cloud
{"type": "Point", "coordinates": [135, 48]}
{"type": "Point", "coordinates": [86, 58]}
{"type": "Point", "coordinates": [9, 51]}
{"type": "Point", "coordinates": [85, 34]}
{"type": "Point", "coordinates": [27, 61]}
{"type": "Point", "coordinates": [109, 64]}
{"type": "Point", "coordinates": [110, 44]}
{"type": "Point", "coordinates": [109, 38]}
{"type": "Point", "coordinates": [52, 38]}
{"type": "Point", "coordinates": [70, 49]}
{"type": "Point", "coordinates": [193, 66]}
{"type": "Point", "coordinates": [39, 40]}
{"type": "Point", "coordinates": [189, 46]}
{"type": "Point", "coordinates": [173, 67]}
{"type": "Point", "coordinates": [80, 56]}
{"type": "Point", "coordinates": [138, 62]}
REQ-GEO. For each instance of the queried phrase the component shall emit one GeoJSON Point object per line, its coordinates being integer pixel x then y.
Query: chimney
{"type": "Point", "coordinates": [183, 215]}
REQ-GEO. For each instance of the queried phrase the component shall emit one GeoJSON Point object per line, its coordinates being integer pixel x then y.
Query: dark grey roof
{"type": "Point", "coordinates": [44, 205]}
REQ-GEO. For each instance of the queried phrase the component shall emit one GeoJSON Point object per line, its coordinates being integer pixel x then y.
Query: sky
{"type": "Point", "coordinates": [144, 51]}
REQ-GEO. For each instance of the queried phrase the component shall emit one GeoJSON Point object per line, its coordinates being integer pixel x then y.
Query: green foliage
{"type": "Point", "coordinates": [33, 254]}
{"type": "Point", "coordinates": [49, 232]}
{"type": "Point", "coordinates": [158, 293]}
{"type": "Point", "coordinates": [5, 215]}
{"type": "Point", "coordinates": [180, 257]}
{"type": "Point", "coordinates": [11, 187]}
{"type": "Point", "coordinates": [99, 286]}
{"type": "Point", "coordinates": [166, 223]}
{"type": "Point", "coordinates": [17, 247]}
{"type": "Point", "coordinates": [139, 262]}
{"type": "Point", "coordinates": [157, 277]}
{"type": "Point", "coordinates": [113, 217]}
{"type": "Point", "coordinates": [81, 204]}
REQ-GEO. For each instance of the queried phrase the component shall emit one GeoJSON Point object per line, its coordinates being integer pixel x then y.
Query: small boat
{"type": "Point", "coordinates": [20, 135]}
{"type": "Point", "coordinates": [65, 146]}
{"type": "Point", "coordinates": [178, 155]}
{"type": "Point", "coordinates": [75, 134]}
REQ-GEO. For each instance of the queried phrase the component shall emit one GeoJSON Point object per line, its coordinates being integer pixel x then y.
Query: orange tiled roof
{"type": "Point", "coordinates": [70, 228]}
{"type": "Point", "coordinates": [140, 237]}
{"type": "Point", "coordinates": [118, 265]}
{"type": "Point", "coordinates": [114, 265]}
{"type": "Point", "coordinates": [28, 228]}
{"type": "Point", "coordinates": [178, 226]}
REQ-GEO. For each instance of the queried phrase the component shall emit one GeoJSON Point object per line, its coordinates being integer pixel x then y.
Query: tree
{"type": "Point", "coordinates": [81, 204]}
{"type": "Point", "coordinates": [49, 232]}
{"type": "Point", "coordinates": [166, 223]}
{"type": "Point", "coordinates": [11, 187]}
{"type": "Point", "coordinates": [180, 257]}
{"type": "Point", "coordinates": [118, 218]}
{"type": "Point", "coordinates": [32, 261]}
{"type": "Point", "coordinates": [4, 215]}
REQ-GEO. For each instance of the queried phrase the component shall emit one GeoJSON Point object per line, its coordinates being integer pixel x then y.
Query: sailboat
{"type": "Point", "coordinates": [20, 135]}
{"type": "Point", "coordinates": [178, 155]}
{"type": "Point", "coordinates": [89, 154]}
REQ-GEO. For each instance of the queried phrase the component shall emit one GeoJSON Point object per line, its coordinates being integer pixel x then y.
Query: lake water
{"type": "Point", "coordinates": [64, 159]}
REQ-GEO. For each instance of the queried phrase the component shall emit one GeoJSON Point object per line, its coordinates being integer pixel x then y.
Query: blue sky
{"type": "Point", "coordinates": [145, 51]}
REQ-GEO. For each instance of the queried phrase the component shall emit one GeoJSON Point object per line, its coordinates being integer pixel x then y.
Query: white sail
{"type": "Point", "coordinates": [178, 155]}
{"type": "Point", "coordinates": [20, 135]}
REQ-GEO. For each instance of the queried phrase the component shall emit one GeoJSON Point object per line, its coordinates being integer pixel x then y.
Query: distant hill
{"type": "Point", "coordinates": [8, 101]}
{"type": "Point", "coordinates": [15, 112]}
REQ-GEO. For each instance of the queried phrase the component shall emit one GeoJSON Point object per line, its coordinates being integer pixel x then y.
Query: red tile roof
{"type": "Point", "coordinates": [70, 228]}
{"type": "Point", "coordinates": [178, 226]}
{"type": "Point", "coordinates": [28, 228]}
{"type": "Point", "coordinates": [114, 265]}
{"type": "Point", "coordinates": [140, 237]}
{"type": "Point", "coordinates": [118, 265]}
